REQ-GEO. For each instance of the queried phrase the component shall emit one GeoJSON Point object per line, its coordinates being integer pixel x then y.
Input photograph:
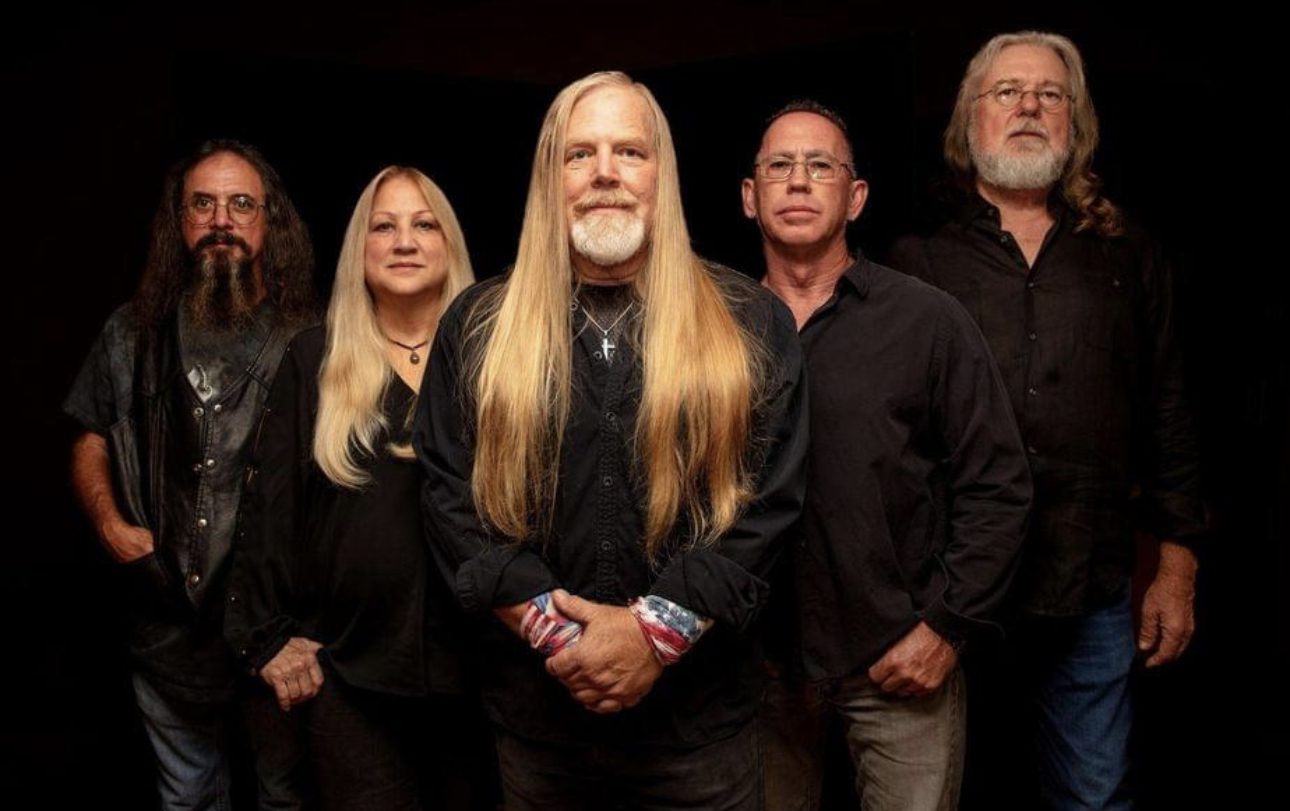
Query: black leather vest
{"type": "Point", "coordinates": [192, 456]}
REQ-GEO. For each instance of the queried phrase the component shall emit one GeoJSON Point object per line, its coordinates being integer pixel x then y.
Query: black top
{"type": "Point", "coordinates": [346, 567]}
{"type": "Point", "coordinates": [597, 551]}
{"type": "Point", "coordinates": [918, 488]}
{"type": "Point", "coordinates": [1084, 340]}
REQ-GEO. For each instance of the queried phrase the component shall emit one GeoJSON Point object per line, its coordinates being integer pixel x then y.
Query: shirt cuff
{"type": "Point", "coordinates": [502, 576]}
{"type": "Point", "coordinates": [714, 586]}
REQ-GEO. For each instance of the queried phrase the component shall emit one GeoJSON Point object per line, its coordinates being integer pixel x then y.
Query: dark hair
{"type": "Point", "coordinates": [805, 105]}
{"type": "Point", "coordinates": [287, 260]}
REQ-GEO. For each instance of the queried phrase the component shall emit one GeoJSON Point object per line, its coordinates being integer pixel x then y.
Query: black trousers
{"type": "Point", "coordinates": [382, 752]}
{"type": "Point", "coordinates": [721, 776]}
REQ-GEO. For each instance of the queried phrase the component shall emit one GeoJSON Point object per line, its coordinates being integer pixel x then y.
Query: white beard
{"type": "Point", "coordinates": [1019, 171]}
{"type": "Point", "coordinates": [608, 238]}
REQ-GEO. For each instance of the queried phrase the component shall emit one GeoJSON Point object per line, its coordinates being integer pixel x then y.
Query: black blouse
{"type": "Point", "coordinates": [346, 567]}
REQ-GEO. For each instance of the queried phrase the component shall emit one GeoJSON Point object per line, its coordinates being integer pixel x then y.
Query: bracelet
{"type": "Point", "coordinates": [671, 629]}
{"type": "Point", "coordinates": [546, 629]}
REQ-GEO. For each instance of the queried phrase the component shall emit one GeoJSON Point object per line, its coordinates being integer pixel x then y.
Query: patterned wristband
{"type": "Point", "coordinates": [546, 629]}
{"type": "Point", "coordinates": [671, 629]}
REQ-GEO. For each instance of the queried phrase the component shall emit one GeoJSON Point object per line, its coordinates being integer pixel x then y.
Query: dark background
{"type": "Point", "coordinates": [97, 103]}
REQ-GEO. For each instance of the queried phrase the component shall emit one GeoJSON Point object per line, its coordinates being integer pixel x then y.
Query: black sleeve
{"type": "Point", "coordinates": [100, 396]}
{"type": "Point", "coordinates": [988, 477]}
{"type": "Point", "coordinates": [727, 581]}
{"type": "Point", "coordinates": [265, 588]}
{"type": "Point", "coordinates": [484, 570]}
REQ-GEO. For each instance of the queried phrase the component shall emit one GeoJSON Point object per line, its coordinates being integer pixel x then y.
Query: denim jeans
{"type": "Point", "coordinates": [721, 776]}
{"type": "Point", "coordinates": [907, 752]}
{"type": "Point", "coordinates": [1078, 671]}
{"type": "Point", "coordinates": [192, 743]}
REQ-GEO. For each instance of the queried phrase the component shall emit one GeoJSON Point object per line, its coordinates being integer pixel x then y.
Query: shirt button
{"type": "Point", "coordinates": [606, 545]}
{"type": "Point", "coordinates": [210, 463]}
{"type": "Point", "coordinates": [608, 481]}
{"type": "Point", "coordinates": [232, 598]}
{"type": "Point", "coordinates": [1115, 282]}
{"type": "Point", "coordinates": [198, 411]}
{"type": "Point", "coordinates": [610, 416]}
{"type": "Point", "coordinates": [194, 579]}
{"type": "Point", "coordinates": [218, 408]}
{"type": "Point", "coordinates": [197, 467]}
{"type": "Point", "coordinates": [1030, 285]}
{"type": "Point", "coordinates": [1032, 391]}
{"type": "Point", "coordinates": [1003, 239]}
{"type": "Point", "coordinates": [1032, 336]}
{"type": "Point", "coordinates": [596, 354]}
{"type": "Point", "coordinates": [1031, 449]}
{"type": "Point", "coordinates": [201, 523]}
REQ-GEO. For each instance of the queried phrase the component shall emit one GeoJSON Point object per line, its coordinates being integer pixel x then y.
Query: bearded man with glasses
{"type": "Point", "coordinates": [168, 399]}
{"type": "Point", "coordinates": [917, 492]}
{"type": "Point", "coordinates": [1077, 307]}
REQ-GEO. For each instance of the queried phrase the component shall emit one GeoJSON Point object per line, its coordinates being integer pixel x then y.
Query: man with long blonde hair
{"type": "Point", "coordinates": [1077, 307]}
{"type": "Point", "coordinates": [614, 437]}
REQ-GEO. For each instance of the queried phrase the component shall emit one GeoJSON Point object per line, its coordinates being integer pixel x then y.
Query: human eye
{"type": "Point", "coordinates": [425, 224]}
{"type": "Point", "coordinates": [577, 155]}
{"type": "Point", "coordinates": [779, 166]}
{"type": "Point", "coordinates": [242, 203]}
{"type": "Point", "coordinates": [820, 167]}
{"type": "Point", "coordinates": [634, 153]}
{"type": "Point", "coordinates": [201, 202]}
{"type": "Point", "coordinates": [1051, 96]}
{"type": "Point", "coordinates": [1007, 94]}
{"type": "Point", "coordinates": [382, 226]}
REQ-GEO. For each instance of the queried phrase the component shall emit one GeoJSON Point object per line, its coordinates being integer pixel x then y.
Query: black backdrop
{"type": "Point", "coordinates": [97, 103]}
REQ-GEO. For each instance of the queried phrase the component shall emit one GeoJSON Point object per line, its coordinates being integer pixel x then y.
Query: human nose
{"type": "Point", "coordinates": [1029, 103]}
{"type": "Point", "coordinates": [606, 168]}
{"type": "Point", "coordinates": [799, 176]}
{"type": "Point", "coordinates": [403, 242]}
{"type": "Point", "coordinates": [220, 218]}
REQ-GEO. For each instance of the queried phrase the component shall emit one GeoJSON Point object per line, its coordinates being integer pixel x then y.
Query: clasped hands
{"type": "Point", "coordinates": [612, 666]}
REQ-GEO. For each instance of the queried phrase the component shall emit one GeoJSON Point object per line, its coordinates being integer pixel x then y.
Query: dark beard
{"type": "Point", "coordinates": [221, 289]}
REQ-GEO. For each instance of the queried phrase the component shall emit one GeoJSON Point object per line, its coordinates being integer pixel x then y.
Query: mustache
{"type": "Point", "coordinates": [1033, 127]}
{"type": "Point", "coordinates": [605, 200]}
{"type": "Point", "coordinates": [224, 238]}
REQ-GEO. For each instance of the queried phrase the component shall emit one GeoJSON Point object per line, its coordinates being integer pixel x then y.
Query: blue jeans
{"type": "Point", "coordinates": [192, 742]}
{"type": "Point", "coordinates": [1078, 671]}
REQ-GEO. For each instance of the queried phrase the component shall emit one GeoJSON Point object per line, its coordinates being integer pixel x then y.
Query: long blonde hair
{"type": "Point", "coordinates": [1080, 186]}
{"type": "Point", "coordinates": [701, 371]}
{"type": "Point", "coordinates": [354, 370]}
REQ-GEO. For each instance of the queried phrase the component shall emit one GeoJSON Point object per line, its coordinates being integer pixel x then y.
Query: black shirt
{"type": "Point", "coordinates": [917, 488]}
{"type": "Point", "coordinates": [596, 550]}
{"type": "Point", "coordinates": [346, 567]}
{"type": "Point", "coordinates": [1084, 340]}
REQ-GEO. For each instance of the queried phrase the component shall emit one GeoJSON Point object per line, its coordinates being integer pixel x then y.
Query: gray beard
{"type": "Point", "coordinates": [1020, 172]}
{"type": "Point", "coordinates": [222, 291]}
{"type": "Point", "coordinates": [608, 239]}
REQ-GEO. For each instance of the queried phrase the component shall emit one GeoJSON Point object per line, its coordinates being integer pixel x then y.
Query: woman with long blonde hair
{"type": "Point", "coordinates": [338, 606]}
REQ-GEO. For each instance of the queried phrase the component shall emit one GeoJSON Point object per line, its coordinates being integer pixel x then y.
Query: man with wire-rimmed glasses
{"type": "Point", "coordinates": [1077, 307]}
{"type": "Point", "coordinates": [168, 399]}
{"type": "Point", "coordinates": [917, 492]}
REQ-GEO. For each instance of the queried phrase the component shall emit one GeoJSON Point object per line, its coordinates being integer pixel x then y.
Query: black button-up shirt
{"type": "Point", "coordinates": [917, 488]}
{"type": "Point", "coordinates": [1084, 340]}
{"type": "Point", "coordinates": [597, 546]}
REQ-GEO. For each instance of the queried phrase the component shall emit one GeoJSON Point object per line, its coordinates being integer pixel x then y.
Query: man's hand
{"type": "Point", "coordinates": [613, 666]}
{"type": "Point", "coordinates": [1169, 606]}
{"type": "Point", "coordinates": [916, 665]}
{"type": "Point", "coordinates": [294, 674]}
{"type": "Point", "coordinates": [125, 541]}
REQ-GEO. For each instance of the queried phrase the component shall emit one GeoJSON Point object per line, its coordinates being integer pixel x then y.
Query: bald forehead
{"type": "Point", "coordinates": [806, 134]}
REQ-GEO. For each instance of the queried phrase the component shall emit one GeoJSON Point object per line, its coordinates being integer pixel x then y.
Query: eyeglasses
{"type": "Point", "coordinates": [1009, 96]}
{"type": "Point", "coordinates": [242, 209]}
{"type": "Point", "coordinates": [820, 169]}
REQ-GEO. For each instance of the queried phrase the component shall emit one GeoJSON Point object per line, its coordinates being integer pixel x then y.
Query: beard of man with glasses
{"type": "Point", "coordinates": [167, 400]}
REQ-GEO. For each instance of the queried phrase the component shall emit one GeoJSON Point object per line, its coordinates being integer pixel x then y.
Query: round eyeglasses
{"type": "Point", "coordinates": [242, 209]}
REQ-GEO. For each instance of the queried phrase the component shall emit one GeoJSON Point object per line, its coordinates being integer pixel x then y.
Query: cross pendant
{"type": "Point", "coordinates": [607, 347]}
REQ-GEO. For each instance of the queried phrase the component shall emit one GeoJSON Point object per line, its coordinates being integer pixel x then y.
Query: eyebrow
{"type": "Point", "coordinates": [393, 214]}
{"type": "Point", "coordinates": [810, 153]}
